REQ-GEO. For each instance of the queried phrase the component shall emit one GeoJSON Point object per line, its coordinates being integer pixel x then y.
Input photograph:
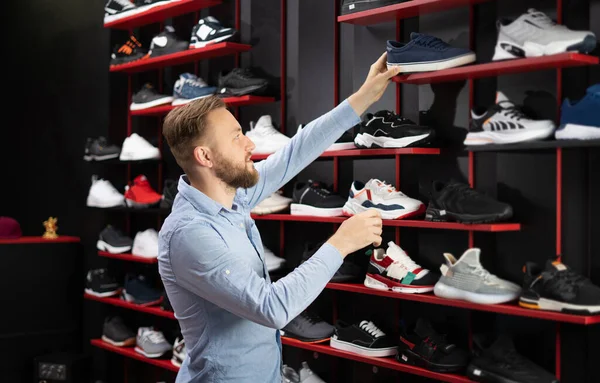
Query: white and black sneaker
{"type": "Point", "coordinates": [166, 43]}
{"type": "Point", "coordinates": [179, 352]}
{"type": "Point", "coordinates": [363, 338]}
{"type": "Point", "coordinates": [100, 283]}
{"type": "Point", "coordinates": [113, 240]}
{"type": "Point", "coordinates": [209, 31]}
{"type": "Point", "coordinates": [314, 199]}
{"type": "Point", "coordinates": [534, 34]}
{"type": "Point", "coordinates": [385, 129]}
{"type": "Point", "coordinates": [148, 97]}
{"type": "Point", "coordinates": [118, 9]}
{"type": "Point", "coordinates": [505, 123]}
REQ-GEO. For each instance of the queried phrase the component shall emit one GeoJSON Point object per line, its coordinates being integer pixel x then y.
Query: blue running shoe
{"type": "Point", "coordinates": [426, 53]}
{"type": "Point", "coordinates": [580, 120]}
{"type": "Point", "coordinates": [190, 87]}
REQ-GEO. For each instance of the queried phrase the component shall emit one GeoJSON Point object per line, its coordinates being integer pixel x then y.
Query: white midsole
{"type": "Point", "coordinates": [341, 146]}
{"type": "Point", "coordinates": [103, 246]}
{"type": "Point", "coordinates": [368, 140]}
{"type": "Point", "coordinates": [578, 132]}
{"type": "Point", "coordinates": [202, 44]}
{"type": "Point", "coordinates": [365, 351]}
{"type": "Point", "coordinates": [102, 295]}
{"type": "Point", "coordinates": [449, 292]}
{"type": "Point", "coordinates": [94, 202]}
{"type": "Point", "coordinates": [378, 285]}
{"type": "Point", "coordinates": [533, 49]}
{"type": "Point", "coordinates": [435, 65]}
{"type": "Point", "coordinates": [96, 157]}
{"type": "Point", "coordinates": [352, 207]}
{"type": "Point", "coordinates": [301, 209]}
{"type": "Point", "coordinates": [135, 204]}
{"type": "Point", "coordinates": [138, 155]}
{"type": "Point", "coordinates": [269, 209]}
{"type": "Point", "coordinates": [139, 350]}
{"type": "Point", "coordinates": [487, 137]}
{"type": "Point", "coordinates": [116, 344]}
{"type": "Point", "coordinates": [150, 104]}
{"type": "Point", "coordinates": [552, 305]}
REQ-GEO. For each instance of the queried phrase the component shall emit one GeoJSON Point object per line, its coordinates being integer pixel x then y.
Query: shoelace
{"type": "Point", "coordinates": [196, 82]}
{"type": "Point", "coordinates": [511, 110]}
{"type": "Point", "coordinates": [371, 329]}
{"type": "Point", "coordinates": [404, 264]}
{"type": "Point", "coordinates": [385, 188]}
{"type": "Point", "coordinates": [483, 273]}
{"type": "Point", "coordinates": [544, 20]}
{"type": "Point", "coordinates": [311, 317]}
{"type": "Point", "coordinates": [155, 336]}
{"type": "Point", "coordinates": [431, 42]}
{"type": "Point", "coordinates": [466, 191]}
{"type": "Point", "coordinates": [125, 3]}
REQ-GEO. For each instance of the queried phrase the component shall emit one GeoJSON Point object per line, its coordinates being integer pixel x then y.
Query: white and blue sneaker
{"type": "Point", "coordinates": [209, 31]}
{"type": "Point", "coordinates": [425, 53]}
{"type": "Point", "coordinates": [580, 120]}
{"type": "Point", "coordinates": [189, 87]}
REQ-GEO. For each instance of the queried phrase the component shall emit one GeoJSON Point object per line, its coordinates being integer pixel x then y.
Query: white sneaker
{"type": "Point", "coordinates": [504, 123]}
{"type": "Point", "coordinates": [151, 343]}
{"type": "Point", "coordinates": [534, 34]}
{"type": "Point", "coordinates": [103, 194]}
{"type": "Point", "coordinates": [179, 352]}
{"type": "Point", "coordinates": [136, 148]}
{"type": "Point", "coordinates": [266, 138]}
{"type": "Point", "coordinates": [272, 204]}
{"type": "Point", "coordinates": [145, 244]}
{"type": "Point", "coordinates": [376, 194]}
{"type": "Point", "coordinates": [308, 376]}
{"type": "Point", "coordinates": [273, 262]}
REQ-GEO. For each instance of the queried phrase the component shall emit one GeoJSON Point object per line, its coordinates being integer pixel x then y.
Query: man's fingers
{"type": "Point", "coordinates": [389, 73]}
{"type": "Point", "coordinates": [372, 213]}
{"type": "Point", "coordinates": [380, 64]}
{"type": "Point", "coordinates": [377, 222]}
{"type": "Point", "coordinates": [377, 241]}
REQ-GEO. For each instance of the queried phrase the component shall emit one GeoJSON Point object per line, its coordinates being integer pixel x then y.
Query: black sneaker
{"type": "Point", "coordinates": [209, 31]}
{"type": "Point", "coordinates": [240, 82]}
{"type": "Point", "coordinates": [420, 345]}
{"type": "Point", "coordinates": [138, 290]}
{"type": "Point", "coordinates": [348, 272]}
{"type": "Point", "coordinates": [455, 201]}
{"type": "Point", "coordinates": [308, 327]}
{"type": "Point", "coordinates": [117, 333]}
{"type": "Point", "coordinates": [498, 361]}
{"type": "Point", "coordinates": [100, 150]}
{"type": "Point", "coordinates": [363, 338]}
{"type": "Point", "coordinates": [100, 283]}
{"type": "Point", "coordinates": [169, 193]}
{"type": "Point", "coordinates": [113, 240]}
{"type": "Point", "coordinates": [148, 97]}
{"type": "Point", "coordinates": [314, 199]}
{"type": "Point", "coordinates": [117, 9]}
{"type": "Point", "coordinates": [558, 288]}
{"type": "Point", "coordinates": [130, 51]}
{"type": "Point", "coordinates": [166, 43]}
{"type": "Point", "coordinates": [352, 6]}
{"type": "Point", "coordinates": [385, 129]}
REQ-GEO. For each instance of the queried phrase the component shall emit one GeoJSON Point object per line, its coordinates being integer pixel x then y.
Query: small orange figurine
{"type": "Point", "coordinates": [51, 228]}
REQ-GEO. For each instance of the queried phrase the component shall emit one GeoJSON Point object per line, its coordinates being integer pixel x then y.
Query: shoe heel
{"type": "Point", "coordinates": [435, 215]}
{"type": "Point", "coordinates": [475, 374]}
{"type": "Point", "coordinates": [406, 358]}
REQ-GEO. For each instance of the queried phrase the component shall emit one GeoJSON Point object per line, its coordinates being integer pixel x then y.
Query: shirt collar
{"type": "Point", "coordinates": [199, 200]}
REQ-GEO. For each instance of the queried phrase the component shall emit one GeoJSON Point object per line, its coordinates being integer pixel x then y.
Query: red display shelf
{"type": "Point", "coordinates": [190, 55]}
{"type": "Point", "coordinates": [130, 353]}
{"type": "Point", "coordinates": [230, 101]}
{"type": "Point", "coordinates": [367, 153]}
{"type": "Point", "coordinates": [154, 310]}
{"type": "Point", "coordinates": [127, 257]}
{"type": "Point", "coordinates": [40, 239]}
{"type": "Point", "coordinates": [508, 309]}
{"type": "Point", "coordinates": [491, 227]}
{"type": "Point", "coordinates": [388, 362]}
{"type": "Point", "coordinates": [161, 13]}
{"type": "Point", "coordinates": [497, 68]}
{"type": "Point", "coordinates": [403, 10]}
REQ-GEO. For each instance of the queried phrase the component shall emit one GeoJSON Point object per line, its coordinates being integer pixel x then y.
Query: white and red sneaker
{"type": "Point", "coordinates": [376, 194]}
{"type": "Point", "coordinates": [141, 194]}
{"type": "Point", "coordinates": [394, 270]}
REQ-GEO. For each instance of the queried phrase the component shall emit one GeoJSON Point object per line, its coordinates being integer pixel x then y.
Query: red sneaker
{"type": "Point", "coordinates": [141, 194]}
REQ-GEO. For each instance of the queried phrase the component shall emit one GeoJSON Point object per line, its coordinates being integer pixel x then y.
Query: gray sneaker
{"type": "Point", "coordinates": [99, 149]}
{"type": "Point", "coordinates": [308, 327]}
{"type": "Point", "coordinates": [150, 343]}
{"type": "Point", "coordinates": [307, 376]}
{"type": "Point", "coordinates": [466, 279]}
{"type": "Point", "coordinates": [289, 375]}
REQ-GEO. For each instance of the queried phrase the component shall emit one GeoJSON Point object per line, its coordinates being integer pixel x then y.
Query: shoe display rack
{"type": "Point", "coordinates": [396, 13]}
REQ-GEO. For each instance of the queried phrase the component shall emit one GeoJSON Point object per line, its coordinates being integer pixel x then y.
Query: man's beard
{"type": "Point", "coordinates": [234, 176]}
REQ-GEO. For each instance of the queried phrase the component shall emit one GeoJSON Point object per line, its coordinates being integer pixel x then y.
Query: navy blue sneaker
{"type": "Point", "coordinates": [580, 120]}
{"type": "Point", "coordinates": [425, 53]}
{"type": "Point", "coordinates": [138, 290]}
{"type": "Point", "coordinates": [189, 87]}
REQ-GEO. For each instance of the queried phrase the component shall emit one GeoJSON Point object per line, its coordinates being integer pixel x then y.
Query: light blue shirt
{"type": "Point", "coordinates": [212, 265]}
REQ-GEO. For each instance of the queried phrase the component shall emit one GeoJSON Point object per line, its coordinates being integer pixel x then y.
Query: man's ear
{"type": "Point", "coordinates": [203, 156]}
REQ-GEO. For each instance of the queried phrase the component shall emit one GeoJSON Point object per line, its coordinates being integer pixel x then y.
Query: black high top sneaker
{"type": "Point", "coordinates": [420, 345]}
{"type": "Point", "coordinates": [497, 361]}
{"type": "Point", "coordinates": [385, 129]}
{"type": "Point", "coordinates": [240, 82]}
{"type": "Point", "coordinates": [352, 6]}
{"type": "Point", "coordinates": [131, 50]}
{"type": "Point", "coordinates": [455, 201]}
{"type": "Point", "coordinates": [166, 43]}
{"type": "Point", "coordinates": [558, 288]}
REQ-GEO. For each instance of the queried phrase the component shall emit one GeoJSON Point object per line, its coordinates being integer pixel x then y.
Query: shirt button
{"type": "Point", "coordinates": [227, 272]}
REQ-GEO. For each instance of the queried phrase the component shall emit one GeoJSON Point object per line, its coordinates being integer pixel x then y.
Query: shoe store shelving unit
{"type": "Point", "coordinates": [130, 353]}
{"type": "Point", "coordinates": [128, 257]}
{"type": "Point", "coordinates": [154, 310]}
{"type": "Point", "coordinates": [42, 240]}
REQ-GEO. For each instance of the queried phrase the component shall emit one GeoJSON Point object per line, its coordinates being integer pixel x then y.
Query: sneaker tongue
{"type": "Point", "coordinates": [555, 266]}
{"type": "Point", "coordinates": [264, 122]}
{"type": "Point", "coordinates": [317, 185]}
{"type": "Point", "coordinates": [170, 29]}
{"type": "Point", "coordinates": [415, 35]}
{"type": "Point", "coordinates": [140, 179]}
{"type": "Point", "coordinates": [188, 76]}
{"type": "Point", "coordinates": [503, 101]}
{"type": "Point", "coordinates": [211, 19]}
{"type": "Point", "coordinates": [394, 251]}
{"type": "Point", "coordinates": [471, 257]}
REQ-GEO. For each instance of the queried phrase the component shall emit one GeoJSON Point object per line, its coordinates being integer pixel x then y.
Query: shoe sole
{"type": "Point", "coordinates": [95, 157]}
{"type": "Point", "coordinates": [137, 156]}
{"type": "Point", "coordinates": [374, 283]}
{"type": "Point", "coordinates": [577, 132]}
{"type": "Point", "coordinates": [269, 210]}
{"type": "Point", "coordinates": [305, 340]}
{"type": "Point", "coordinates": [449, 292]}
{"type": "Point", "coordinates": [203, 44]}
{"type": "Point", "coordinates": [236, 92]}
{"type": "Point", "coordinates": [139, 205]}
{"type": "Point", "coordinates": [103, 246]}
{"type": "Point", "coordinates": [532, 49]}
{"type": "Point", "coordinates": [102, 295]}
{"type": "Point", "coordinates": [301, 209]}
{"type": "Point", "coordinates": [552, 305]}
{"type": "Point", "coordinates": [367, 141]}
{"type": "Point", "coordinates": [151, 104]}
{"type": "Point", "coordinates": [436, 215]}
{"type": "Point", "coordinates": [131, 299]}
{"type": "Point", "coordinates": [126, 343]}
{"type": "Point", "coordinates": [485, 138]}
{"type": "Point", "coordinates": [364, 351]}
{"type": "Point", "coordinates": [135, 11]}
{"type": "Point", "coordinates": [92, 202]}
{"type": "Point", "coordinates": [351, 208]}
{"type": "Point", "coordinates": [429, 66]}
{"type": "Point", "coordinates": [479, 375]}
{"type": "Point", "coordinates": [148, 355]}
{"type": "Point", "coordinates": [411, 358]}
{"type": "Point", "coordinates": [341, 146]}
